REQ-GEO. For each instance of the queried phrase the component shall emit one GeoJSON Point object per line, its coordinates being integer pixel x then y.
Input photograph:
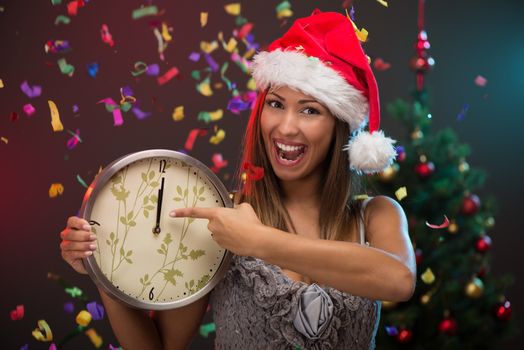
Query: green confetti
{"type": "Point", "coordinates": [82, 182]}
{"type": "Point", "coordinates": [205, 329]}
{"type": "Point", "coordinates": [62, 19]}
{"type": "Point", "coordinates": [65, 67]}
{"type": "Point", "coordinates": [144, 11]}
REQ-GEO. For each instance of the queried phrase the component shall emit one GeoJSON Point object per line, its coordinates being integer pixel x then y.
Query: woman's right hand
{"type": "Point", "coordinates": [77, 242]}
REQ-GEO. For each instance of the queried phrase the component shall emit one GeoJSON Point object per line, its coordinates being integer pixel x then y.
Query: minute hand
{"type": "Point", "coordinates": [156, 229]}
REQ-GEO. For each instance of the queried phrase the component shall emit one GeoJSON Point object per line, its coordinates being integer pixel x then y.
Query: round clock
{"type": "Point", "coordinates": [144, 257]}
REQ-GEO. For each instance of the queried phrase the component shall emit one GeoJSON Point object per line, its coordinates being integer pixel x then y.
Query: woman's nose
{"type": "Point", "coordinates": [289, 124]}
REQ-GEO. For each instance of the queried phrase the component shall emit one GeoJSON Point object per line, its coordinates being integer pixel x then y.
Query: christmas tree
{"type": "Point", "coordinates": [457, 304]}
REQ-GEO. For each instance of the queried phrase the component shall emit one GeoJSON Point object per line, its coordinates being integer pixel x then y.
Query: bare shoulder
{"type": "Point", "coordinates": [383, 208]}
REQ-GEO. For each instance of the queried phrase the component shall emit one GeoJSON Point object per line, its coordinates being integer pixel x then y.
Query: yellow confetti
{"type": "Point", "coordinates": [285, 13]}
{"type": "Point", "coordinates": [428, 277]}
{"type": "Point", "coordinates": [231, 45]}
{"type": "Point", "coordinates": [1, 83]}
{"type": "Point", "coordinates": [216, 115]}
{"type": "Point", "coordinates": [360, 196]}
{"type": "Point", "coordinates": [95, 338]}
{"type": "Point", "coordinates": [251, 84]}
{"type": "Point", "coordinates": [249, 53]}
{"type": "Point", "coordinates": [165, 32]}
{"type": "Point", "coordinates": [362, 34]}
{"type": "Point", "coordinates": [55, 117]}
{"type": "Point", "coordinates": [203, 19]}
{"type": "Point", "coordinates": [218, 137]}
{"type": "Point", "coordinates": [55, 190]}
{"type": "Point", "coordinates": [208, 47]}
{"type": "Point", "coordinates": [4, 139]}
{"type": "Point", "coordinates": [178, 113]}
{"type": "Point", "coordinates": [43, 332]}
{"type": "Point", "coordinates": [401, 193]}
{"type": "Point", "coordinates": [383, 3]}
{"type": "Point", "coordinates": [233, 9]}
{"type": "Point", "coordinates": [83, 318]}
{"type": "Point", "coordinates": [204, 88]}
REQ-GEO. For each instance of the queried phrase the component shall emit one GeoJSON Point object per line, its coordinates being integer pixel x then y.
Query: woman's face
{"type": "Point", "coordinates": [297, 131]}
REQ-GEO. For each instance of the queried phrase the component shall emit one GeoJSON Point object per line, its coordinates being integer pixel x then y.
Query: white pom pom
{"type": "Point", "coordinates": [370, 153]}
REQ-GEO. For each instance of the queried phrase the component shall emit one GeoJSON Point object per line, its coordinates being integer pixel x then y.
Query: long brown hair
{"type": "Point", "coordinates": [338, 209]}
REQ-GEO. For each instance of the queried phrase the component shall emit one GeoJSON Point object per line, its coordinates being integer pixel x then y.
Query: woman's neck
{"type": "Point", "coordinates": [302, 192]}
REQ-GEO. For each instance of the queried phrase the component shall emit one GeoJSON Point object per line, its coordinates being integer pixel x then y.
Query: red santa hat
{"type": "Point", "coordinates": [321, 56]}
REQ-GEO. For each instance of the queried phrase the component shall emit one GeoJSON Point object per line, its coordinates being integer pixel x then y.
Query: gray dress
{"type": "Point", "coordinates": [256, 306]}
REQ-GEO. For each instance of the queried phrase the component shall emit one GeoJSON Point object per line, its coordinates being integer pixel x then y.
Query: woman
{"type": "Point", "coordinates": [311, 260]}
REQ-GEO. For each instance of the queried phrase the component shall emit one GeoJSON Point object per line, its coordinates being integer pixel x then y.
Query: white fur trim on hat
{"type": "Point", "coordinates": [314, 78]}
{"type": "Point", "coordinates": [370, 153]}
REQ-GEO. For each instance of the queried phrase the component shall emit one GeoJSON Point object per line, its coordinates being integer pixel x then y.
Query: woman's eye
{"type": "Point", "coordinates": [274, 104]}
{"type": "Point", "coordinates": [311, 110]}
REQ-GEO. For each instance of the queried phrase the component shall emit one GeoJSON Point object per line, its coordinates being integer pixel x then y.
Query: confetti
{"type": "Point", "coordinates": [213, 116]}
{"type": "Point", "coordinates": [428, 277]}
{"type": "Point", "coordinates": [81, 181]}
{"type": "Point", "coordinates": [194, 56]}
{"type": "Point", "coordinates": [106, 36]}
{"type": "Point", "coordinates": [203, 19]}
{"type": "Point", "coordinates": [362, 34]}
{"type": "Point", "coordinates": [170, 74]}
{"type": "Point", "coordinates": [18, 313]}
{"type": "Point", "coordinates": [284, 10]}
{"type": "Point", "coordinates": [191, 138]}
{"type": "Point", "coordinates": [62, 19]}
{"type": "Point", "coordinates": [208, 47]}
{"type": "Point", "coordinates": [72, 7]}
{"type": "Point", "coordinates": [211, 62]}
{"type": "Point", "coordinates": [166, 32]}
{"type": "Point", "coordinates": [83, 318]}
{"type": "Point", "coordinates": [381, 65]}
{"type": "Point", "coordinates": [111, 106]}
{"type": "Point", "coordinates": [13, 116]}
{"type": "Point", "coordinates": [233, 9]}
{"type": "Point", "coordinates": [218, 162]}
{"type": "Point", "coordinates": [481, 81]}
{"type": "Point", "coordinates": [52, 346]}
{"type": "Point", "coordinates": [55, 117]}
{"type": "Point", "coordinates": [204, 87]}
{"type": "Point", "coordinates": [161, 45]}
{"type": "Point", "coordinates": [218, 137]}
{"type": "Point", "coordinates": [69, 307]}
{"type": "Point", "coordinates": [140, 67]}
{"type": "Point", "coordinates": [1, 83]}
{"type": "Point", "coordinates": [443, 225]}
{"type": "Point", "coordinates": [401, 193]}
{"type": "Point", "coordinates": [178, 113]}
{"type": "Point", "coordinates": [94, 337]}
{"type": "Point", "coordinates": [96, 310]}
{"type": "Point", "coordinates": [254, 173]}
{"type": "Point", "coordinates": [56, 2]}
{"type": "Point", "coordinates": [111, 347]}
{"type": "Point", "coordinates": [43, 332]}
{"type": "Point", "coordinates": [57, 46]}
{"type": "Point", "coordinates": [29, 109]}
{"type": "Point", "coordinates": [140, 114]}
{"type": "Point", "coordinates": [74, 292]}
{"type": "Point", "coordinates": [31, 92]}
{"type": "Point", "coordinates": [153, 69]}
{"type": "Point", "coordinates": [144, 11]}
{"type": "Point", "coordinates": [383, 3]}
{"type": "Point", "coordinates": [4, 140]}
{"type": "Point", "coordinates": [462, 113]}
{"type": "Point", "coordinates": [207, 328]}
{"type": "Point", "coordinates": [65, 67]}
{"type": "Point", "coordinates": [73, 141]}
{"type": "Point", "coordinates": [92, 69]}
{"type": "Point", "coordinates": [55, 190]}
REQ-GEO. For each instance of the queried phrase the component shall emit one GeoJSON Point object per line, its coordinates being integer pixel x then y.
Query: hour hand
{"type": "Point", "coordinates": [156, 229]}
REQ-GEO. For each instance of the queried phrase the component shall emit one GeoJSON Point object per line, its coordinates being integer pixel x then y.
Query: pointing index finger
{"type": "Point", "coordinates": [200, 213]}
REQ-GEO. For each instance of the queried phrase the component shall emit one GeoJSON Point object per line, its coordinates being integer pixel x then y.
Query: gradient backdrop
{"type": "Point", "coordinates": [468, 38]}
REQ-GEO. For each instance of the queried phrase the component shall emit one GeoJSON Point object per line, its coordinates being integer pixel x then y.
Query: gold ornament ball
{"type": "Point", "coordinates": [424, 299]}
{"type": "Point", "coordinates": [475, 288]}
{"type": "Point", "coordinates": [388, 305]}
{"type": "Point", "coordinates": [463, 167]}
{"type": "Point", "coordinates": [417, 135]}
{"type": "Point", "coordinates": [389, 173]}
{"type": "Point", "coordinates": [490, 222]}
{"type": "Point", "coordinates": [453, 227]}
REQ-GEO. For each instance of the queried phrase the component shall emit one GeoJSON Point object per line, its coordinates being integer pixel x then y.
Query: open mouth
{"type": "Point", "coordinates": [288, 154]}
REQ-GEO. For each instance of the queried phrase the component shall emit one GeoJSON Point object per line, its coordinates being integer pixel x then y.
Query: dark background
{"type": "Point", "coordinates": [468, 38]}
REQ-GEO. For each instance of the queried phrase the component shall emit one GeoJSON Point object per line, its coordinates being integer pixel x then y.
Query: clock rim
{"type": "Point", "coordinates": [90, 196]}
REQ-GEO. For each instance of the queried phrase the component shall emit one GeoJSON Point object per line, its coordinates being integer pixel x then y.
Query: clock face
{"type": "Point", "coordinates": [144, 256]}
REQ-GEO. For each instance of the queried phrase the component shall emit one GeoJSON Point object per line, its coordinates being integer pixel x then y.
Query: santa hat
{"type": "Point", "coordinates": [321, 56]}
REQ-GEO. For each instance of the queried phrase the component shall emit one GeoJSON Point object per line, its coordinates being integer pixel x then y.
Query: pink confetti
{"type": "Point", "coordinates": [191, 138]}
{"type": "Point", "coordinates": [218, 162]}
{"type": "Point", "coordinates": [106, 36]}
{"type": "Point", "coordinates": [443, 225]}
{"type": "Point", "coordinates": [381, 65]}
{"type": "Point", "coordinates": [18, 313]}
{"type": "Point", "coordinates": [29, 109]}
{"type": "Point", "coordinates": [73, 141]}
{"type": "Point", "coordinates": [117, 114]}
{"type": "Point", "coordinates": [170, 74]}
{"type": "Point", "coordinates": [481, 81]}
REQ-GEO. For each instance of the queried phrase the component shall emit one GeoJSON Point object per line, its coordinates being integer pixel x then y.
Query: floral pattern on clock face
{"type": "Point", "coordinates": [142, 251]}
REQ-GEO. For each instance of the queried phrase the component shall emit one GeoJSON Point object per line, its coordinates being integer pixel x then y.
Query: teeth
{"type": "Point", "coordinates": [288, 148]}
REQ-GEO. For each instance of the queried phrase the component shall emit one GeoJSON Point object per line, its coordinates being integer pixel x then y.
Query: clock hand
{"type": "Point", "coordinates": [156, 229]}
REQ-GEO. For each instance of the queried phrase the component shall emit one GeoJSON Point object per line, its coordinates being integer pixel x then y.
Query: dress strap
{"type": "Point", "coordinates": [362, 228]}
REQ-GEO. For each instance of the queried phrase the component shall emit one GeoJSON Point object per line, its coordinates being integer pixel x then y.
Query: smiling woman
{"type": "Point", "coordinates": [312, 260]}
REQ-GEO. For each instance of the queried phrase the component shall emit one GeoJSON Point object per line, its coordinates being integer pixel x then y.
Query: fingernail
{"type": "Point", "coordinates": [92, 238]}
{"type": "Point", "coordinates": [92, 246]}
{"type": "Point", "coordinates": [172, 213]}
{"type": "Point", "coordinates": [86, 227]}
{"type": "Point", "coordinates": [88, 253]}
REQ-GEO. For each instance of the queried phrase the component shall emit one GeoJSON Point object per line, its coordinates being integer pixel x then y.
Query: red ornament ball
{"type": "Point", "coordinates": [503, 311]}
{"type": "Point", "coordinates": [470, 204]}
{"type": "Point", "coordinates": [404, 336]}
{"type": "Point", "coordinates": [448, 326]}
{"type": "Point", "coordinates": [483, 244]}
{"type": "Point", "coordinates": [425, 170]}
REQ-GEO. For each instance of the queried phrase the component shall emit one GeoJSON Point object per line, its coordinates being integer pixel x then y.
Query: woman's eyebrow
{"type": "Point", "coordinates": [299, 101]}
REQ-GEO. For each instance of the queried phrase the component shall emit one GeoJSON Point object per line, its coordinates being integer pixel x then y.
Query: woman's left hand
{"type": "Point", "coordinates": [235, 229]}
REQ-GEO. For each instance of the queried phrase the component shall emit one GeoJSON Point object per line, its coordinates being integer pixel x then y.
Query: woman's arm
{"type": "Point", "coordinates": [386, 270]}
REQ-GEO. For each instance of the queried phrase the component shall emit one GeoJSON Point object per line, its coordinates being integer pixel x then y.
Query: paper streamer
{"type": "Point", "coordinates": [140, 68]}
{"type": "Point", "coordinates": [73, 141]}
{"type": "Point", "coordinates": [81, 181]}
{"type": "Point", "coordinates": [443, 225]}
{"type": "Point", "coordinates": [191, 138]}
{"type": "Point", "coordinates": [43, 332]}
{"type": "Point", "coordinates": [112, 106]}
{"type": "Point", "coordinates": [55, 190]}
{"type": "Point", "coordinates": [170, 74]}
